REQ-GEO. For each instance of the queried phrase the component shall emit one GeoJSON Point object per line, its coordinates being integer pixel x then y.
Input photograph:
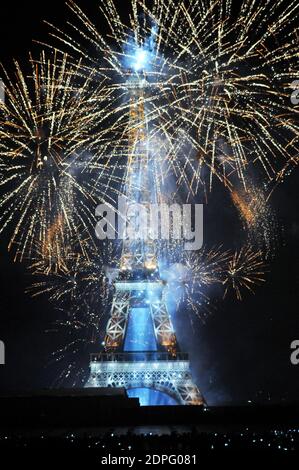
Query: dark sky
{"type": "Point", "coordinates": [242, 352]}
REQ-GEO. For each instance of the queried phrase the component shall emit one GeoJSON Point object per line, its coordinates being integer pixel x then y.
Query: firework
{"type": "Point", "coordinates": [45, 143]}
{"type": "Point", "coordinates": [81, 273]}
{"type": "Point", "coordinates": [245, 269]}
{"type": "Point", "coordinates": [79, 287]}
{"type": "Point", "coordinates": [219, 79]}
{"type": "Point", "coordinates": [191, 277]}
{"type": "Point", "coordinates": [206, 266]}
{"type": "Point", "coordinates": [77, 329]}
{"type": "Point", "coordinates": [209, 85]}
{"type": "Point", "coordinates": [258, 219]}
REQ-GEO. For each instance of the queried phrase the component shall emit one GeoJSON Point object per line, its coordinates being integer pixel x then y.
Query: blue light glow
{"type": "Point", "coordinates": [150, 397]}
{"type": "Point", "coordinates": [140, 60]}
{"type": "Point", "coordinates": [142, 56]}
{"type": "Point", "coordinates": [140, 334]}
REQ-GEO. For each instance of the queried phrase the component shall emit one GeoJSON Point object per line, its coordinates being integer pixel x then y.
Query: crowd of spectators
{"type": "Point", "coordinates": [195, 441]}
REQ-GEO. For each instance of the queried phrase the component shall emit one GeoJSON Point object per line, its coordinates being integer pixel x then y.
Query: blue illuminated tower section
{"type": "Point", "coordinates": [140, 348]}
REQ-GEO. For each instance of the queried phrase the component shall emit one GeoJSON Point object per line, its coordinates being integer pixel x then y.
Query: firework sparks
{"type": "Point", "coordinates": [245, 269]}
{"type": "Point", "coordinates": [206, 266]}
{"type": "Point", "coordinates": [213, 90]}
{"type": "Point", "coordinates": [190, 279]}
{"type": "Point", "coordinates": [45, 134]}
{"type": "Point", "coordinates": [80, 289]}
{"type": "Point", "coordinates": [218, 80]}
{"type": "Point", "coordinates": [80, 274]}
{"type": "Point", "coordinates": [78, 328]}
{"type": "Point", "coordinates": [258, 219]}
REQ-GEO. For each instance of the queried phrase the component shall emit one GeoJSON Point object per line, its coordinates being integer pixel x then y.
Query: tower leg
{"type": "Point", "coordinates": [163, 327]}
{"type": "Point", "coordinates": [189, 393]}
{"type": "Point", "coordinates": [116, 327]}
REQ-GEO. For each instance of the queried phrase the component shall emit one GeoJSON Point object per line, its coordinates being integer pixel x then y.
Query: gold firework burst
{"type": "Point", "coordinates": [245, 269]}
{"type": "Point", "coordinates": [46, 125]}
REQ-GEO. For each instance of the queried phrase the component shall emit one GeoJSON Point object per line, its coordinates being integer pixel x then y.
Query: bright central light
{"type": "Point", "coordinates": [140, 59]}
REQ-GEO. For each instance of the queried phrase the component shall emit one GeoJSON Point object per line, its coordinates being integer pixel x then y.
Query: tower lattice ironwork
{"type": "Point", "coordinates": [139, 285]}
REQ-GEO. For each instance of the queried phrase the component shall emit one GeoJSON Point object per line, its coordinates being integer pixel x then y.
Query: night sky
{"type": "Point", "coordinates": [241, 353]}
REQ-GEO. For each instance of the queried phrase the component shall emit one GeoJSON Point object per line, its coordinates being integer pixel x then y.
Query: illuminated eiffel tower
{"type": "Point", "coordinates": [139, 286]}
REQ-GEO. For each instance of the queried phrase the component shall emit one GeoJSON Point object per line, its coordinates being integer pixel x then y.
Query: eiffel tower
{"type": "Point", "coordinates": [139, 286]}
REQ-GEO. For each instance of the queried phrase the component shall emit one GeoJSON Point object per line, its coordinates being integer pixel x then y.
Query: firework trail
{"type": "Point", "coordinates": [45, 134]}
{"type": "Point", "coordinates": [208, 91]}
{"type": "Point", "coordinates": [190, 277]}
{"type": "Point", "coordinates": [82, 274]}
{"type": "Point", "coordinates": [245, 269]}
{"type": "Point", "coordinates": [259, 221]}
{"type": "Point", "coordinates": [80, 289]}
{"type": "Point", "coordinates": [217, 99]}
{"type": "Point", "coordinates": [77, 330]}
{"type": "Point", "coordinates": [206, 266]}
{"type": "Point", "coordinates": [220, 78]}
{"type": "Point", "coordinates": [216, 83]}
{"type": "Point", "coordinates": [190, 281]}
